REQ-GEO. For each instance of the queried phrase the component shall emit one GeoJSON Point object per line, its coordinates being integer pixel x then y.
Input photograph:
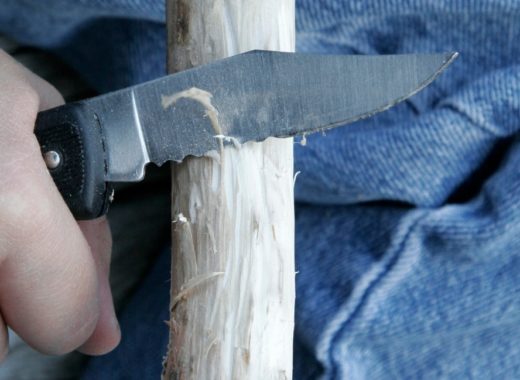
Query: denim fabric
{"type": "Point", "coordinates": [144, 333]}
{"type": "Point", "coordinates": [408, 224]}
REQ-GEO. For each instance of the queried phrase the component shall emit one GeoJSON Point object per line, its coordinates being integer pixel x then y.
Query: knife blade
{"type": "Point", "coordinates": [88, 145]}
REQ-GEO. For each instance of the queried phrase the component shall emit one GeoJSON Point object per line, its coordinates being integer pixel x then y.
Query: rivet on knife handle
{"type": "Point", "coordinates": [72, 147]}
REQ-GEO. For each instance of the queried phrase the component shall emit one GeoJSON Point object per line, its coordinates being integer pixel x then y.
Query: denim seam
{"type": "Point", "coordinates": [347, 312]}
{"type": "Point", "coordinates": [464, 114]}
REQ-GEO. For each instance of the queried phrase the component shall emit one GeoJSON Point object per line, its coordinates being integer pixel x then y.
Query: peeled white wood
{"type": "Point", "coordinates": [232, 291]}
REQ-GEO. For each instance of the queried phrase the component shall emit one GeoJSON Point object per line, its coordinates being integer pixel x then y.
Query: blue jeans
{"type": "Point", "coordinates": [407, 224]}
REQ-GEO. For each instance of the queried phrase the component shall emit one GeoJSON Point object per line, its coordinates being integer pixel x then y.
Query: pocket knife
{"type": "Point", "coordinates": [90, 144]}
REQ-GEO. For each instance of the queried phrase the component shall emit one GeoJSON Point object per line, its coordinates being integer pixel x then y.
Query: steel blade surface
{"type": "Point", "coordinates": [251, 97]}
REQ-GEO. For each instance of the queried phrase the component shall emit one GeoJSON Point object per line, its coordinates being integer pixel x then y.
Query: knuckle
{"type": "Point", "coordinates": [24, 97]}
{"type": "Point", "coordinates": [19, 104]}
{"type": "Point", "coordinates": [12, 219]}
{"type": "Point", "coordinates": [22, 219]}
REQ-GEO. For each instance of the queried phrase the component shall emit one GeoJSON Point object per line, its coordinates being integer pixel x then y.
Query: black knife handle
{"type": "Point", "coordinates": [71, 142]}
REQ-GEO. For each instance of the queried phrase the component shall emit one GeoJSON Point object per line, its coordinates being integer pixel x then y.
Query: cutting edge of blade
{"type": "Point", "coordinates": [450, 57]}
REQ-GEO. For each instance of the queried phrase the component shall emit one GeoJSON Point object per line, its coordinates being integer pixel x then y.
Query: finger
{"type": "Point", "coordinates": [107, 334]}
{"type": "Point", "coordinates": [48, 279]}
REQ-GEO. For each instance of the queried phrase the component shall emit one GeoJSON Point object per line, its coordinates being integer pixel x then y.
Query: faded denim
{"type": "Point", "coordinates": [408, 224]}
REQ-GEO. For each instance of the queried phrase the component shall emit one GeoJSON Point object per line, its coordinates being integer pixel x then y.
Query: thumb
{"type": "Point", "coordinates": [107, 334]}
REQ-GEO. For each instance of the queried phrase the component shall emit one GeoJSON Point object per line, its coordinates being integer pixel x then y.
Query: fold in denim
{"type": "Point", "coordinates": [407, 224]}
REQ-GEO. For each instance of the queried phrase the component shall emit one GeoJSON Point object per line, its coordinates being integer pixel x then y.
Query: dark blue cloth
{"type": "Point", "coordinates": [144, 331]}
{"type": "Point", "coordinates": [408, 224]}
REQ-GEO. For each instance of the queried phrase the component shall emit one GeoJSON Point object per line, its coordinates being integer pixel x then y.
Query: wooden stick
{"type": "Point", "coordinates": [232, 290]}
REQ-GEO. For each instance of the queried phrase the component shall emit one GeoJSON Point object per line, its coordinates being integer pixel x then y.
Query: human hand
{"type": "Point", "coordinates": [54, 289]}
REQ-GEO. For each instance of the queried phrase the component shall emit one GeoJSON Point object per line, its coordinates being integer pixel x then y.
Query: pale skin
{"type": "Point", "coordinates": [54, 290]}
